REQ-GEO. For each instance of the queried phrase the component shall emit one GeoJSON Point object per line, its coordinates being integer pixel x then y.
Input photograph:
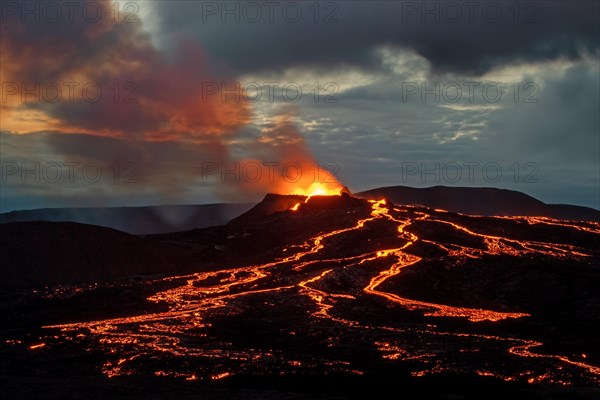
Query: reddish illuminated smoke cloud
{"type": "Point", "coordinates": [105, 77]}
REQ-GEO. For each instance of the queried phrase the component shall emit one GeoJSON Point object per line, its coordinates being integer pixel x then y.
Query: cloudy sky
{"type": "Point", "coordinates": [183, 102]}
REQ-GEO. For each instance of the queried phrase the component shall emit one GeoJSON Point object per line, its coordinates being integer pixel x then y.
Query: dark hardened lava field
{"type": "Point", "coordinates": [341, 297]}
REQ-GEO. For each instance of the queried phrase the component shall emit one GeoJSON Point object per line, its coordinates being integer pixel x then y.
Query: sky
{"type": "Point", "coordinates": [187, 102]}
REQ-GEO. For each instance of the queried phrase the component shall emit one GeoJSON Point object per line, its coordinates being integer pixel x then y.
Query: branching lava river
{"type": "Point", "coordinates": [391, 288]}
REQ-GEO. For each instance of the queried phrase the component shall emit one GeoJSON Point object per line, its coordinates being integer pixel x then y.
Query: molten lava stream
{"type": "Point", "coordinates": [502, 245]}
{"type": "Point", "coordinates": [406, 260]}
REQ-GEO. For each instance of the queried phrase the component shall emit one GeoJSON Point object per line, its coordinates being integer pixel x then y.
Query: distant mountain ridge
{"type": "Point", "coordinates": [177, 218]}
{"type": "Point", "coordinates": [480, 201]}
{"type": "Point", "coordinates": [137, 220]}
{"type": "Point", "coordinates": [42, 253]}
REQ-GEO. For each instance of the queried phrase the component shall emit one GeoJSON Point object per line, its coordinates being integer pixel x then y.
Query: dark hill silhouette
{"type": "Point", "coordinates": [38, 254]}
{"type": "Point", "coordinates": [177, 218]}
{"type": "Point", "coordinates": [270, 204]}
{"type": "Point", "coordinates": [137, 220]}
{"type": "Point", "coordinates": [480, 201]}
{"type": "Point", "coordinates": [274, 203]}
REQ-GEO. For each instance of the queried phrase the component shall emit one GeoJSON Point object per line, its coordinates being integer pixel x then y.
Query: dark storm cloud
{"type": "Point", "coordinates": [558, 134]}
{"type": "Point", "coordinates": [544, 30]}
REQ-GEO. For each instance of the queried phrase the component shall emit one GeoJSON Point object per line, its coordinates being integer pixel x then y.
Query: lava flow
{"type": "Point", "coordinates": [336, 288]}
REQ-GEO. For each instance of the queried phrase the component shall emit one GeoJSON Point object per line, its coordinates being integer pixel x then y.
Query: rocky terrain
{"type": "Point", "coordinates": [325, 297]}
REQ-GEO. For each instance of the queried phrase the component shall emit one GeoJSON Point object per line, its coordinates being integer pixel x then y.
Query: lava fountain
{"type": "Point", "coordinates": [330, 188]}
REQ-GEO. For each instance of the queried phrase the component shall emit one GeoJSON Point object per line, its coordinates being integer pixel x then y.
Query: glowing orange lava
{"type": "Point", "coordinates": [309, 272]}
{"type": "Point", "coordinates": [317, 189]}
{"type": "Point", "coordinates": [333, 188]}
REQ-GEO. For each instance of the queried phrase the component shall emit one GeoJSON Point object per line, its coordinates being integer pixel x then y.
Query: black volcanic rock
{"type": "Point", "coordinates": [275, 203]}
{"type": "Point", "coordinates": [38, 254]}
{"type": "Point", "coordinates": [282, 296]}
{"type": "Point", "coordinates": [271, 204]}
{"type": "Point", "coordinates": [271, 225]}
{"type": "Point", "coordinates": [333, 202]}
{"type": "Point", "coordinates": [480, 201]}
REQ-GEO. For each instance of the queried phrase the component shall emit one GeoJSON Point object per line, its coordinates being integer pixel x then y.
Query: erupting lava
{"type": "Point", "coordinates": [333, 188]}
